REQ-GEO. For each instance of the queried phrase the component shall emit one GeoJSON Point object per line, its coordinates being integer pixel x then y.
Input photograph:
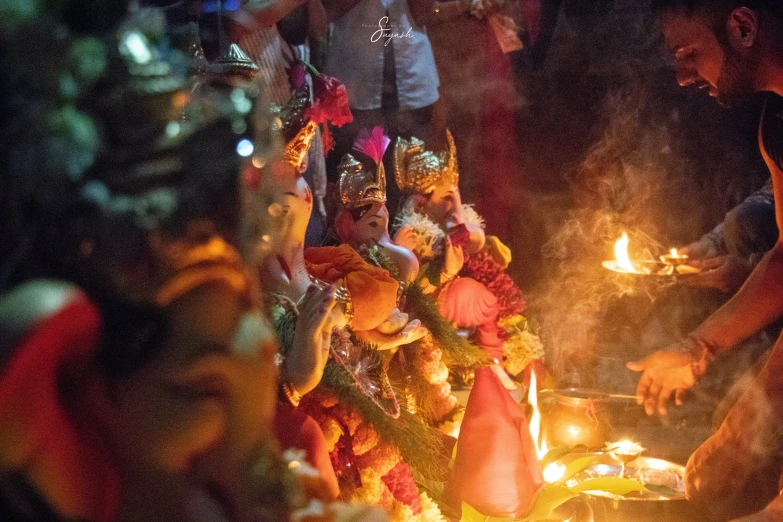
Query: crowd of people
{"type": "Point", "coordinates": [239, 281]}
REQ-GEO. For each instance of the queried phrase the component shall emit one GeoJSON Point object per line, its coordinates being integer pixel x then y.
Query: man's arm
{"type": "Point", "coordinates": [760, 300]}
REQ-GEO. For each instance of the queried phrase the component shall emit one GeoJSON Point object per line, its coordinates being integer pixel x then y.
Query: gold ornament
{"type": "Point", "coordinates": [359, 187]}
{"type": "Point", "coordinates": [419, 170]}
{"type": "Point", "coordinates": [296, 149]}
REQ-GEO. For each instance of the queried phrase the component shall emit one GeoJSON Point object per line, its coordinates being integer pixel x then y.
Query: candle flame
{"type": "Point", "coordinates": [535, 419]}
{"type": "Point", "coordinates": [621, 254]}
{"type": "Point", "coordinates": [674, 253]}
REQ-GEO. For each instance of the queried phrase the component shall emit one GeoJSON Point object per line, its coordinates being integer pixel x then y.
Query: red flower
{"type": "Point", "coordinates": [484, 269]}
{"type": "Point", "coordinates": [400, 482]}
{"type": "Point", "coordinates": [327, 140]}
{"type": "Point", "coordinates": [331, 101]}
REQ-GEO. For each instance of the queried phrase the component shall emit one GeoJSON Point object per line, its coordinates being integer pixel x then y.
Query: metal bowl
{"type": "Point", "coordinates": [642, 507]}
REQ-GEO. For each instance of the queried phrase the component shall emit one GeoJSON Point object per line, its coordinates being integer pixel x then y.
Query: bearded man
{"type": "Point", "coordinates": [731, 49]}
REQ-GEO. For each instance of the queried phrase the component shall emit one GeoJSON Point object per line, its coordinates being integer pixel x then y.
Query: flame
{"type": "Point", "coordinates": [674, 253]}
{"type": "Point", "coordinates": [625, 447]}
{"type": "Point", "coordinates": [535, 419]}
{"type": "Point", "coordinates": [554, 472]}
{"type": "Point", "coordinates": [621, 254]}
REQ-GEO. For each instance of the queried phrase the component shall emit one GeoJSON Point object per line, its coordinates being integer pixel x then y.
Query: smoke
{"type": "Point", "coordinates": [631, 181]}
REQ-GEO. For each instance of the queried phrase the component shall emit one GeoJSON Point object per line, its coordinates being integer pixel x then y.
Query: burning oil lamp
{"type": "Point", "coordinates": [622, 262]}
{"type": "Point", "coordinates": [673, 258]}
{"type": "Point", "coordinates": [624, 265]}
{"type": "Point", "coordinates": [625, 451]}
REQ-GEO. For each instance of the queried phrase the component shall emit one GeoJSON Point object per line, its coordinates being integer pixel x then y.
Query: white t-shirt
{"type": "Point", "coordinates": [355, 55]}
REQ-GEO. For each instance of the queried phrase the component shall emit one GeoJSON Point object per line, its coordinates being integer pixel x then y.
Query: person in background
{"type": "Point", "coordinates": [475, 42]}
{"type": "Point", "coordinates": [729, 252]}
{"type": "Point", "coordinates": [381, 52]}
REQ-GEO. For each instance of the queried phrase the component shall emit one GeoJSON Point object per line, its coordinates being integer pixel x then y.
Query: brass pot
{"type": "Point", "coordinates": [574, 417]}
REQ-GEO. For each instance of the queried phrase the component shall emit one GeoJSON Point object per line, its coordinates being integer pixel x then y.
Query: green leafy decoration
{"type": "Point", "coordinates": [554, 455]}
{"type": "Point", "coordinates": [74, 140]}
{"type": "Point", "coordinates": [87, 59]}
{"type": "Point", "coordinates": [576, 466]}
{"type": "Point", "coordinates": [14, 13]}
{"type": "Point", "coordinates": [550, 498]}
{"type": "Point", "coordinates": [378, 257]}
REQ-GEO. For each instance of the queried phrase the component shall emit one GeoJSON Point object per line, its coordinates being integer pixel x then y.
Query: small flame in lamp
{"type": "Point", "coordinates": [674, 252]}
{"type": "Point", "coordinates": [621, 254]}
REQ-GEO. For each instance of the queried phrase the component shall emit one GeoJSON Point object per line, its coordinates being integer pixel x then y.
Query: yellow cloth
{"type": "Point", "coordinates": [499, 252]}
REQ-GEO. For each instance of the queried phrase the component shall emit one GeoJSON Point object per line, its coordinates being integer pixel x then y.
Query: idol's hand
{"type": "Point", "coordinates": [394, 323]}
{"type": "Point", "coordinates": [413, 331]}
{"type": "Point", "coordinates": [405, 237]}
{"type": "Point", "coordinates": [454, 259]}
{"type": "Point", "coordinates": [304, 366]}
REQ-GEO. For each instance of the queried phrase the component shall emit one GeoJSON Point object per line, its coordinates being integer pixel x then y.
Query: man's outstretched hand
{"type": "Point", "coordinates": [664, 373]}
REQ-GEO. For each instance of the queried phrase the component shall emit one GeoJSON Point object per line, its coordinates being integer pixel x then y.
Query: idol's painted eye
{"type": "Point", "coordinates": [373, 224]}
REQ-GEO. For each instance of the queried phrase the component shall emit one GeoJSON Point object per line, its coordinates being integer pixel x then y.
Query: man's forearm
{"type": "Point", "coordinates": [754, 306]}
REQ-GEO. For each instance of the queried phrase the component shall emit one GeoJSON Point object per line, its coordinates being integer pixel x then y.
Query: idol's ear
{"type": "Point", "coordinates": [344, 226]}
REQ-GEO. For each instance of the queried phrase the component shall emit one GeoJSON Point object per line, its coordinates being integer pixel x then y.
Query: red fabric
{"type": "Point", "coordinates": [496, 470]}
{"type": "Point", "coordinates": [531, 14]}
{"type": "Point", "coordinates": [32, 409]}
{"type": "Point", "coordinates": [300, 431]}
{"type": "Point", "coordinates": [498, 140]}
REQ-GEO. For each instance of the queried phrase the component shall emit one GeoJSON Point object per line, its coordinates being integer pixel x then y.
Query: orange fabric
{"type": "Point", "coordinates": [373, 290]}
{"type": "Point", "coordinates": [496, 470]}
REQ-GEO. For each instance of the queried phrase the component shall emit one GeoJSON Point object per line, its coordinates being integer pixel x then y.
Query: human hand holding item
{"type": "Point", "coordinates": [726, 273]}
{"type": "Point", "coordinates": [703, 248]}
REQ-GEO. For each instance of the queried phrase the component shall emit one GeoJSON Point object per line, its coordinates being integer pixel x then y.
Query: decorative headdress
{"type": "Point", "coordinates": [360, 187]}
{"type": "Point", "coordinates": [417, 169]}
{"type": "Point", "coordinates": [296, 126]}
